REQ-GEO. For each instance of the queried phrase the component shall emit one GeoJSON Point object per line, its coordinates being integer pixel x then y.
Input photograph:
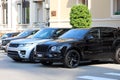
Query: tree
{"type": "Point", "coordinates": [80, 16]}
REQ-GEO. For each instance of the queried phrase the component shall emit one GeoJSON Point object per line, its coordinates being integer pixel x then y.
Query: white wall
{"type": "Point", "coordinates": [0, 13]}
{"type": "Point", "coordinates": [12, 14]}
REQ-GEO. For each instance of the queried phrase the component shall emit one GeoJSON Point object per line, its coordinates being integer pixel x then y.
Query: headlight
{"type": "Point", "coordinates": [54, 48]}
{"type": "Point", "coordinates": [25, 45]}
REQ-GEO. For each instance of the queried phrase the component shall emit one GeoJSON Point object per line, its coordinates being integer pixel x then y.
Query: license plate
{"type": "Point", "coordinates": [39, 55]}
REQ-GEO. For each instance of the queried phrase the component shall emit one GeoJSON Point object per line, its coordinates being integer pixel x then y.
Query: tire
{"type": "Point", "coordinates": [31, 57]}
{"type": "Point", "coordinates": [117, 56]}
{"type": "Point", "coordinates": [72, 59]}
{"type": "Point", "coordinates": [46, 63]}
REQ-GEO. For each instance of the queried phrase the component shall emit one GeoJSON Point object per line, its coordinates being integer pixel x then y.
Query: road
{"type": "Point", "coordinates": [11, 70]}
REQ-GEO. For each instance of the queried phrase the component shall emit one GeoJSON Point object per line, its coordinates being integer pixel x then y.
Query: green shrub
{"type": "Point", "coordinates": [80, 16]}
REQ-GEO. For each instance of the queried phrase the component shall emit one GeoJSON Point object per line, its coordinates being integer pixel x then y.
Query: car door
{"type": "Point", "coordinates": [107, 36]}
{"type": "Point", "coordinates": [92, 44]}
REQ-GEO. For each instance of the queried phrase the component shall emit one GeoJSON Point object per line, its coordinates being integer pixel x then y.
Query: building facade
{"type": "Point", "coordinates": [23, 14]}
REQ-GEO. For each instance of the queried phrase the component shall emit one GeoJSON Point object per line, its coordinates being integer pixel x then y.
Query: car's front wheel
{"type": "Point", "coordinates": [117, 56]}
{"type": "Point", "coordinates": [32, 57]}
{"type": "Point", "coordinates": [72, 59]}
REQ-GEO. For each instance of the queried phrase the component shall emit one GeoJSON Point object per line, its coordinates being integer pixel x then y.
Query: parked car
{"type": "Point", "coordinates": [23, 49]}
{"type": "Point", "coordinates": [11, 34]}
{"type": "Point", "coordinates": [7, 35]}
{"type": "Point", "coordinates": [21, 35]}
{"type": "Point", "coordinates": [76, 45]}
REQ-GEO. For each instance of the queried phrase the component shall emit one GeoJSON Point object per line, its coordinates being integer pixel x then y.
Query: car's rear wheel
{"type": "Point", "coordinates": [72, 59]}
{"type": "Point", "coordinates": [46, 63]}
{"type": "Point", "coordinates": [117, 56]}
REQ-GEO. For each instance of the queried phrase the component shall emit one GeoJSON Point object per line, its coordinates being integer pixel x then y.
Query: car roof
{"type": "Point", "coordinates": [103, 27]}
{"type": "Point", "coordinates": [55, 28]}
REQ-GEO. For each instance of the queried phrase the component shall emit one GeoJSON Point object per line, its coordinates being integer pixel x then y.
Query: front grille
{"type": "Point", "coordinates": [5, 42]}
{"type": "Point", "coordinates": [42, 48]}
{"type": "Point", "coordinates": [13, 45]}
{"type": "Point", "coordinates": [12, 52]}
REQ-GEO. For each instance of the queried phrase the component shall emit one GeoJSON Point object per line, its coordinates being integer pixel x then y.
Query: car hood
{"type": "Point", "coordinates": [29, 40]}
{"type": "Point", "coordinates": [60, 41]}
{"type": "Point", "coordinates": [13, 38]}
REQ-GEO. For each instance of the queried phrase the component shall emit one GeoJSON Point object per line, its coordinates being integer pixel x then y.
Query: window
{"type": "Point", "coordinates": [23, 12]}
{"type": "Point", "coordinates": [107, 33]}
{"type": "Point", "coordinates": [83, 2]}
{"type": "Point", "coordinates": [95, 33]}
{"type": "Point", "coordinates": [116, 7]}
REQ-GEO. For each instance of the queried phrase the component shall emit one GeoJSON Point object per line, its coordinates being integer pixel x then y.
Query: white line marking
{"type": "Point", "coordinates": [95, 78]}
{"type": "Point", "coordinates": [115, 74]}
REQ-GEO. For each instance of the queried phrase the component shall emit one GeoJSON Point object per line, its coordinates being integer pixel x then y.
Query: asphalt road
{"type": "Point", "coordinates": [10, 70]}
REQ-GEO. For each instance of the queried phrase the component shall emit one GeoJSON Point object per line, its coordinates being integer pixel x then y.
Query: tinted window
{"type": "Point", "coordinates": [107, 33]}
{"type": "Point", "coordinates": [95, 33]}
{"type": "Point", "coordinates": [60, 32]}
{"type": "Point", "coordinates": [75, 34]}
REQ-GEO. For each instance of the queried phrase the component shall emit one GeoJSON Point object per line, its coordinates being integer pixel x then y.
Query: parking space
{"type": "Point", "coordinates": [11, 70]}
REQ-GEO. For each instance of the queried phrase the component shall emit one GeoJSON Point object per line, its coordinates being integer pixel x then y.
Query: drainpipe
{"type": "Point", "coordinates": [47, 12]}
{"type": "Point", "coordinates": [46, 8]}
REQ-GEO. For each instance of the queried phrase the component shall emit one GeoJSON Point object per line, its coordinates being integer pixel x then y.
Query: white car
{"type": "Point", "coordinates": [23, 49]}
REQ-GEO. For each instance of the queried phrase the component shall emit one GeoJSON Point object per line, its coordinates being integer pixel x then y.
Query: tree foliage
{"type": "Point", "coordinates": [80, 16]}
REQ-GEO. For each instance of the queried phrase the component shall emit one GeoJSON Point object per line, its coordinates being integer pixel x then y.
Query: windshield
{"type": "Point", "coordinates": [25, 33]}
{"type": "Point", "coordinates": [75, 34]}
{"type": "Point", "coordinates": [5, 36]}
{"type": "Point", "coordinates": [44, 33]}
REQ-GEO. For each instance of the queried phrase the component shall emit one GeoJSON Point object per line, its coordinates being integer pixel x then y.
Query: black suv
{"type": "Point", "coordinates": [77, 45]}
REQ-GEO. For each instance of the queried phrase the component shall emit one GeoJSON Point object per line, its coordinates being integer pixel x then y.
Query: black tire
{"type": "Point", "coordinates": [32, 57]}
{"type": "Point", "coordinates": [47, 63]}
{"type": "Point", "coordinates": [117, 56]}
{"type": "Point", "coordinates": [72, 59]}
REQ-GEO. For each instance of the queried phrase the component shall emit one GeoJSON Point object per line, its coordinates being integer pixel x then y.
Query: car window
{"type": "Point", "coordinates": [107, 33]}
{"type": "Point", "coordinates": [95, 33]}
{"type": "Point", "coordinates": [60, 32]}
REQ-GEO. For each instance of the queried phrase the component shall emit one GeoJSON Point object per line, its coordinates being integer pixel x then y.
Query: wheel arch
{"type": "Point", "coordinates": [78, 50]}
{"type": "Point", "coordinates": [116, 44]}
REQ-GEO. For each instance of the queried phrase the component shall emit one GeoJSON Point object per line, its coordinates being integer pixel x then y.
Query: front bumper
{"type": "Point", "coordinates": [49, 56]}
{"type": "Point", "coordinates": [20, 52]}
{"type": "Point", "coordinates": [13, 55]}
